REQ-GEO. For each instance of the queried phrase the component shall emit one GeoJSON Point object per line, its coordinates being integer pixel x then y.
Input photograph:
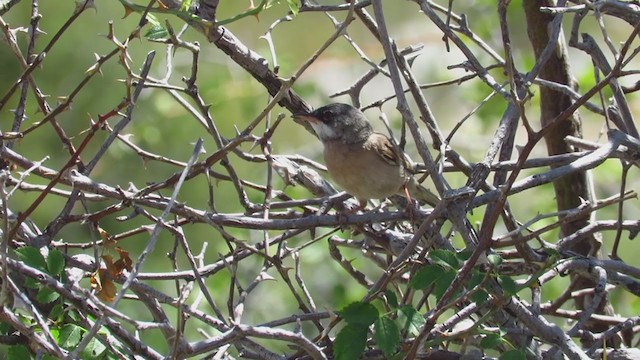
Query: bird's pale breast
{"type": "Point", "coordinates": [362, 173]}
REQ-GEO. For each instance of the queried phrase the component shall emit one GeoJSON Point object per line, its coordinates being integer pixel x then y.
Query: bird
{"type": "Point", "coordinates": [365, 163]}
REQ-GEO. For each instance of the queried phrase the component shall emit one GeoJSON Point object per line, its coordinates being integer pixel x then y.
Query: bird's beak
{"type": "Point", "coordinates": [320, 128]}
{"type": "Point", "coordinates": [306, 117]}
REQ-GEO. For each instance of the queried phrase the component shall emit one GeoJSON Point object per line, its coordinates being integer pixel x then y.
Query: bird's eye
{"type": "Point", "coordinates": [325, 114]}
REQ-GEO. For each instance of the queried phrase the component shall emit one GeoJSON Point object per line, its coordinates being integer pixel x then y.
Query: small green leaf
{"type": "Point", "coordinates": [445, 258]}
{"type": "Point", "coordinates": [32, 257]}
{"type": "Point", "coordinates": [294, 6]}
{"type": "Point", "coordinates": [479, 296]}
{"type": "Point", "coordinates": [31, 283]}
{"type": "Point", "coordinates": [475, 279]}
{"type": "Point", "coordinates": [512, 355]}
{"type": "Point", "coordinates": [186, 4]}
{"type": "Point", "coordinates": [265, 4]}
{"type": "Point", "coordinates": [57, 312]}
{"type": "Point", "coordinates": [350, 342]}
{"type": "Point", "coordinates": [55, 333]}
{"type": "Point", "coordinates": [443, 283]}
{"type": "Point", "coordinates": [359, 313]}
{"type": "Point", "coordinates": [387, 335]}
{"type": "Point", "coordinates": [94, 349]}
{"type": "Point", "coordinates": [464, 255]}
{"type": "Point", "coordinates": [491, 341]}
{"type": "Point", "coordinates": [46, 295]}
{"type": "Point", "coordinates": [426, 276]}
{"type": "Point", "coordinates": [153, 20]}
{"type": "Point", "coordinates": [73, 315]}
{"type": "Point", "coordinates": [392, 299]}
{"type": "Point", "coordinates": [70, 336]}
{"type": "Point", "coordinates": [551, 252]}
{"type": "Point", "coordinates": [157, 31]}
{"type": "Point", "coordinates": [494, 259]}
{"type": "Point", "coordinates": [18, 352]}
{"type": "Point", "coordinates": [410, 320]}
{"type": "Point", "coordinates": [508, 285]}
{"type": "Point", "coordinates": [4, 328]}
{"type": "Point", "coordinates": [55, 262]}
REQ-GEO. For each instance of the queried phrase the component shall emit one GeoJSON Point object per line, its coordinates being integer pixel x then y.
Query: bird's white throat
{"type": "Point", "coordinates": [324, 131]}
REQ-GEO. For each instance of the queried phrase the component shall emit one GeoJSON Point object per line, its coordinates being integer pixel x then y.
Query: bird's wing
{"type": "Point", "coordinates": [385, 149]}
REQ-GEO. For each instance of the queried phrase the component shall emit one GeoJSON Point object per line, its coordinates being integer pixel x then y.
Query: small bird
{"type": "Point", "coordinates": [365, 163]}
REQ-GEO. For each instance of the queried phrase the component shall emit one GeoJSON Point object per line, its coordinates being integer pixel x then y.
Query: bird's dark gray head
{"type": "Point", "coordinates": [341, 122]}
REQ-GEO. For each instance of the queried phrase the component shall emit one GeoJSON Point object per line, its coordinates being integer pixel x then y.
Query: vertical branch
{"type": "Point", "coordinates": [570, 190]}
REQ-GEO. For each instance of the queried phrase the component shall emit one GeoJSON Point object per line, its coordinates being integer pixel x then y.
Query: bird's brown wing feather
{"type": "Point", "coordinates": [385, 149]}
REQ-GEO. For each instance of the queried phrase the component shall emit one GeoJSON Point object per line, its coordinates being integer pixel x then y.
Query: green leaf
{"type": "Point", "coordinates": [32, 257]}
{"type": "Point", "coordinates": [157, 31]}
{"type": "Point", "coordinates": [426, 276]}
{"type": "Point", "coordinates": [359, 313]}
{"type": "Point", "coordinates": [445, 258]}
{"type": "Point", "coordinates": [70, 336]}
{"type": "Point", "coordinates": [55, 262]}
{"type": "Point", "coordinates": [411, 320]}
{"type": "Point", "coordinates": [494, 259]}
{"type": "Point", "coordinates": [4, 328]}
{"type": "Point", "coordinates": [475, 279]}
{"type": "Point", "coordinates": [73, 315]}
{"type": "Point", "coordinates": [551, 252]}
{"type": "Point", "coordinates": [464, 255]}
{"type": "Point", "coordinates": [55, 333]}
{"type": "Point", "coordinates": [392, 299]}
{"type": "Point", "coordinates": [46, 295]}
{"type": "Point", "coordinates": [153, 20]}
{"type": "Point", "coordinates": [508, 285]}
{"type": "Point", "coordinates": [350, 342]}
{"type": "Point", "coordinates": [443, 283]}
{"type": "Point", "coordinates": [31, 283]}
{"type": "Point", "coordinates": [387, 335]}
{"type": "Point", "coordinates": [265, 4]}
{"type": "Point", "coordinates": [491, 341]}
{"type": "Point", "coordinates": [186, 4]}
{"type": "Point", "coordinates": [479, 296]}
{"type": "Point", "coordinates": [93, 350]}
{"type": "Point", "coordinates": [512, 355]}
{"type": "Point", "coordinates": [18, 352]}
{"type": "Point", "coordinates": [57, 312]}
{"type": "Point", "coordinates": [294, 6]}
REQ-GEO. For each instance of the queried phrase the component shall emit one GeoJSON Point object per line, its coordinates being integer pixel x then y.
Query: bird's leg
{"type": "Point", "coordinates": [406, 192]}
{"type": "Point", "coordinates": [362, 205]}
{"type": "Point", "coordinates": [409, 208]}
